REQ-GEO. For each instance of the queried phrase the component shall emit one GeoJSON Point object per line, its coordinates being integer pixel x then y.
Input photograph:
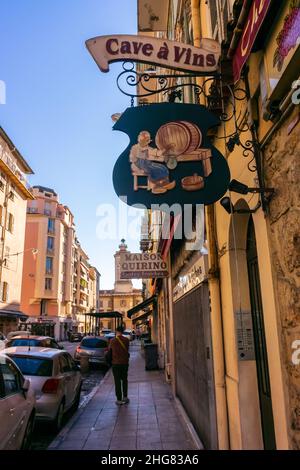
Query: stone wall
{"type": "Point", "coordinates": [282, 171]}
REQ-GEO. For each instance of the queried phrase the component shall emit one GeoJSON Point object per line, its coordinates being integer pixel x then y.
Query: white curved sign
{"type": "Point", "coordinates": [145, 49]}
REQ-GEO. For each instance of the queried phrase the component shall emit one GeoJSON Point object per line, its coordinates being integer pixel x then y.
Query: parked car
{"type": "Point", "coordinates": [17, 407]}
{"type": "Point", "coordinates": [55, 378]}
{"type": "Point", "coordinates": [93, 347]}
{"type": "Point", "coordinates": [105, 331]}
{"type": "Point", "coordinates": [110, 336]}
{"type": "Point", "coordinates": [128, 334]}
{"type": "Point", "coordinates": [75, 336]}
{"type": "Point", "coordinates": [32, 340]}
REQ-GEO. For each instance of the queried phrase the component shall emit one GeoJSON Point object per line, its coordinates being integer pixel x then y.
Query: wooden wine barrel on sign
{"type": "Point", "coordinates": [178, 137]}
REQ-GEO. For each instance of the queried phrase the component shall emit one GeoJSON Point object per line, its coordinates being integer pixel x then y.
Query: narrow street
{"type": "Point", "coordinates": [43, 433]}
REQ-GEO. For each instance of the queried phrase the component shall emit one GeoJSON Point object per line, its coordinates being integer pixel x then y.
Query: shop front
{"type": "Point", "coordinates": [193, 348]}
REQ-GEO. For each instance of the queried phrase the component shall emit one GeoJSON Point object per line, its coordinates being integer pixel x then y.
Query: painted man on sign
{"type": "Point", "coordinates": [141, 158]}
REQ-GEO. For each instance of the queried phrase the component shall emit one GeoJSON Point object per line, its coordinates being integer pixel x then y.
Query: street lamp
{"type": "Point", "coordinates": [229, 207]}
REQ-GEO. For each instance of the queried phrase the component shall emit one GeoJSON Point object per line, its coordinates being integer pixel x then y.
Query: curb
{"type": "Point", "coordinates": [187, 422]}
{"type": "Point", "coordinates": [60, 437]}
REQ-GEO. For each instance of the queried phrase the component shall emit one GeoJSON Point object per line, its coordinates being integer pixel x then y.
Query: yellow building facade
{"type": "Point", "coordinates": [250, 289]}
{"type": "Point", "coordinates": [120, 299]}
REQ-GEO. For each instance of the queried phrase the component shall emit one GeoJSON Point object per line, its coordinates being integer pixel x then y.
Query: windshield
{"type": "Point", "coordinates": [23, 342]}
{"type": "Point", "coordinates": [34, 366]}
{"type": "Point", "coordinates": [93, 343]}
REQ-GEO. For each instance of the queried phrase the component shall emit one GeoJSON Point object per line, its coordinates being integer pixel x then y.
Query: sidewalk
{"type": "Point", "coordinates": [150, 421]}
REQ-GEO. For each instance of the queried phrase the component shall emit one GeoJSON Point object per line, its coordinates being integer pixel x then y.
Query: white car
{"type": "Point", "coordinates": [55, 378]}
{"type": "Point", "coordinates": [128, 334]}
{"type": "Point", "coordinates": [17, 407]}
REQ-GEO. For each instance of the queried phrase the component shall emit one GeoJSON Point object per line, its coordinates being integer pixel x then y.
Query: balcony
{"type": "Point", "coordinates": [18, 178]}
{"type": "Point", "coordinates": [48, 212]}
{"type": "Point", "coordinates": [32, 210]}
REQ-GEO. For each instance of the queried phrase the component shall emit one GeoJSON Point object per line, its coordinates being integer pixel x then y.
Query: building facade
{"type": "Point", "coordinates": [55, 289]}
{"type": "Point", "coordinates": [14, 193]}
{"type": "Point", "coordinates": [240, 293]}
{"type": "Point", "coordinates": [120, 299]}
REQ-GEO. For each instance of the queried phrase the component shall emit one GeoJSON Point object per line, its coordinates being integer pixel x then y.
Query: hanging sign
{"type": "Point", "coordinates": [253, 24]}
{"type": "Point", "coordinates": [142, 266]}
{"type": "Point", "coordinates": [162, 52]}
{"type": "Point", "coordinates": [169, 158]}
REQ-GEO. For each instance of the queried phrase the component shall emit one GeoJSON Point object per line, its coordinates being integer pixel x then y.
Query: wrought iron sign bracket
{"type": "Point", "coordinates": [220, 97]}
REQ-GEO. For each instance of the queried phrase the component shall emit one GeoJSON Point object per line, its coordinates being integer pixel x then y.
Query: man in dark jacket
{"type": "Point", "coordinates": [120, 360]}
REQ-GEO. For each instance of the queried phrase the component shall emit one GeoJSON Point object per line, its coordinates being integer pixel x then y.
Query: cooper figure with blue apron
{"type": "Point", "coordinates": [141, 158]}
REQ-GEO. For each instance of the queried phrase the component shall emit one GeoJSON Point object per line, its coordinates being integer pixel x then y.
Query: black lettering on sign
{"type": "Point", "coordinates": [178, 53]}
{"type": "Point", "coordinates": [147, 49]}
{"type": "Point", "coordinates": [163, 52]}
{"type": "Point", "coordinates": [109, 48]}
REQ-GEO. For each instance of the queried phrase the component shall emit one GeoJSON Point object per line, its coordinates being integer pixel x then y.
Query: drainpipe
{"type": "Point", "coordinates": [217, 331]}
{"type": "Point", "coordinates": [215, 294]}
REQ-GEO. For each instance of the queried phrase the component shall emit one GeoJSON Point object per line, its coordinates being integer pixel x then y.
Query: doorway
{"type": "Point", "coordinates": [263, 378]}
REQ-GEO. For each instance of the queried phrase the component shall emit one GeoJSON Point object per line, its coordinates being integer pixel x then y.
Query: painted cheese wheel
{"type": "Point", "coordinates": [178, 137]}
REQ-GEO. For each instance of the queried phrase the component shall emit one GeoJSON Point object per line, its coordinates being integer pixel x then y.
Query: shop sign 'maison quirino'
{"type": "Point", "coordinates": [145, 49]}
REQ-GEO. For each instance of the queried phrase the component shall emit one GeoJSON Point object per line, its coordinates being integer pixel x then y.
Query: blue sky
{"type": "Point", "coordinates": [58, 105]}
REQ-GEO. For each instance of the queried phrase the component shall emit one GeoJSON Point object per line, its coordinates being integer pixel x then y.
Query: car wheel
{"type": "Point", "coordinates": [60, 416]}
{"type": "Point", "coordinates": [77, 399]}
{"type": "Point", "coordinates": [26, 444]}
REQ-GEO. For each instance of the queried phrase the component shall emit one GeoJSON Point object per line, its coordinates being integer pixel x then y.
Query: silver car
{"type": "Point", "coordinates": [17, 407]}
{"type": "Point", "coordinates": [32, 340]}
{"type": "Point", "coordinates": [55, 378]}
{"type": "Point", "coordinates": [93, 348]}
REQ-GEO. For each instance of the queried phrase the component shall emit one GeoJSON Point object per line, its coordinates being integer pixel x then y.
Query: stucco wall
{"type": "Point", "coordinates": [282, 170]}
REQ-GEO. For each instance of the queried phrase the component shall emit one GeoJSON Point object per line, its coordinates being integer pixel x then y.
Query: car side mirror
{"type": "Point", "coordinates": [25, 387]}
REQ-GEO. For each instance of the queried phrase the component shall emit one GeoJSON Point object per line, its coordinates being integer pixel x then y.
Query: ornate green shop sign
{"type": "Point", "coordinates": [170, 158]}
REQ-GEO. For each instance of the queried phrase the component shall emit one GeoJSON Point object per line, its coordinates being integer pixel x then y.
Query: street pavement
{"type": "Point", "coordinates": [151, 421]}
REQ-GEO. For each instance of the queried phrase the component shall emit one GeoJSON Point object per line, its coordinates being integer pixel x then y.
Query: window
{"type": "Point", "coordinates": [64, 364]}
{"type": "Point", "coordinates": [213, 6]}
{"type": "Point", "coordinates": [48, 207]}
{"type": "Point", "coordinates": [94, 343]}
{"type": "Point", "coordinates": [44, 307]}
{"type": "Point", "coordinates": [51, 225]}
{"type": "Point", "coordinates": [48, 284]}
{"type": "Point", "coordinates": [10, 223]}
{"type": "Point", "coordinates": [50, 244]}
{"type": "Point", "coordinates": [11, 378]}
{"type": "Point", "coordinates": [49, 265]}
{"type": "Point", "coordinates": [219, 14]}
{"type": "Point", "coordinates": [123, 303]}
{"type": "Point", "coordinates": [6, 259]}
{"type": "Point", "coordinates": [4, 296]}
{"type": "Point", "coordinates": [34, 366]}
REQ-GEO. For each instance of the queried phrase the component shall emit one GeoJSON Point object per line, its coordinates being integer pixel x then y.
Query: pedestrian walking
{"type": "Point", "coordinates": [120, 361]}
